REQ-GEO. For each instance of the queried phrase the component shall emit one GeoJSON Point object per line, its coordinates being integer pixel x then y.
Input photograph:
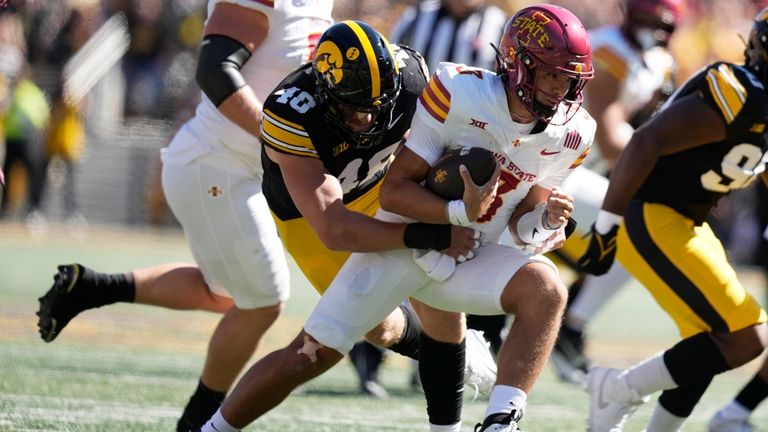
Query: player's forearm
{"type": "Point", "coordinates": [357, 232]}
{"type": "Point", "coordinates": [410, 199]}
{"type": "Point", "coordinates": [244, 109]}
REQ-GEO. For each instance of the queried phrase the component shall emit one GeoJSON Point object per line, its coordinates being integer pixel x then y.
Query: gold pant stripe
{"type": "Point", "coordinates": [686, 270]}
{"type": "Point", "coordinates": [318, 263]}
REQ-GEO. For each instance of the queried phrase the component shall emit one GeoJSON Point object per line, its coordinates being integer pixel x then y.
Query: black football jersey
{"type": "Point", "coordinates": [692, 181]}
{"type": "Point", "coordinates": [295, 123]}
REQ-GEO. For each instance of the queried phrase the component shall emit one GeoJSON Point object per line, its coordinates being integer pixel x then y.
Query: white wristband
{"type": "Point", "coordinates": [606, 221]}
{"type": "Point", "coordinates": [530, 226]}
{"type": "Point", "coordinates": [457, 213]}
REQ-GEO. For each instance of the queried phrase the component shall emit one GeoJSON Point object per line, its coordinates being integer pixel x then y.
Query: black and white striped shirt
{"type": "Point", "coordinates": [431, 30]}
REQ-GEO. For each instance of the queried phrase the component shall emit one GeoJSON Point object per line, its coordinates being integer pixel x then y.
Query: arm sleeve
{"type": "Point", "coordinates": [218, 68]}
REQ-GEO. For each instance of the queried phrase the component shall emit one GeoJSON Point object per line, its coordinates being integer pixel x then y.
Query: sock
{"type": "Point", "coordinates": [441, 367]}
{"type": "Point", "coordinates": [753, 393]}
{"type": "Point", "coordinates": [664, 421]}
{"type": "Point", "coordinates": [201, 406]}
{"type": "Point", "coordinates": [709, 360]}
{"type": "Point", "coordinates": [445, 428]}
{"type": "Point", "coordinates": [408, 345]}
{"type": "Point", "coordinates": [99, 289]}
{"type": "Point", "coordinates": [680, 401]}
{"type": "Point", "coordinates": [217, 423]}
{"type": "Point", "coordinates": [504, 398]}
{"type": "Point", "coordinates": [735, 410]}
{"type": "Point", "coordinates": [650, 375]}
{"type": "Point", "coordinates": [491, 326]}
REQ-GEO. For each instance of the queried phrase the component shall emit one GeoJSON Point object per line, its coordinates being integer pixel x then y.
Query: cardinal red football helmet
{"type": "Point", "coordinates": [553, 39]}
{"type": "Point", "coordinates": [651, 23]}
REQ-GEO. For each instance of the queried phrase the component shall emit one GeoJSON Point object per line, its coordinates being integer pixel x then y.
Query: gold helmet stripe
{"type": "Point", "coordinates": [370, 55]}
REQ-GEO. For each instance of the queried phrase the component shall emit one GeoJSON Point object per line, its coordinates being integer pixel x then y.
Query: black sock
{"type": "Point", "coordinates": [441, 367]}
{"type": "Point", "coordinates": [709, 360]}
{"type": "Point", "coordinates": [680, 401]}
{"type": "Point", "coordinates": [753, 393]}
{"type": "Point", "coordinates": [491, 326]}
{"type": "Point", "coordinates": [367, 359]}
{"type": "Point", "coordinates": [201, 407]}
{"type": "Point", "coordinates": [408, 345]}
{"type": "Point", "coordinates": [99, 289]}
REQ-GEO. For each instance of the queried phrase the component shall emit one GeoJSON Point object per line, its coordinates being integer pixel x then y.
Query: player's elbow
{"type": "Point", "coordinates": [335, 237]}
{"type": "Point", "coordinates": [389, 199]}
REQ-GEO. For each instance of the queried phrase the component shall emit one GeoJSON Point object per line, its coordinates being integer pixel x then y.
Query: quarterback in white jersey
{"type": "Point", "coordinates": [528, 115]}
{"type": "Point", "coordinates": [634, 74]}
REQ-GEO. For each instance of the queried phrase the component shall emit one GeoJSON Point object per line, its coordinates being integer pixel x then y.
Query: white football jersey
{"type": "Point", "coordinates": [295, 26]}
{"type": "Point", "coordinates": [641, 74]}
{"type": "Point", "coordinates": [467, 107]}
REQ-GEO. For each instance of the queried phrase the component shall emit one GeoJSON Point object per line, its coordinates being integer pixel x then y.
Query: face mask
{"type": "Point", "coordinates": [645, 38]}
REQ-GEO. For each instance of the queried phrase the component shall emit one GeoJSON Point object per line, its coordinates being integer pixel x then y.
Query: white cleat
{"type": "Point", "coordinates": [721, 423]}
{"type": "Point", "coordinates": [611, 400]}
{"type": "Point", "coordinates": [480, 367]}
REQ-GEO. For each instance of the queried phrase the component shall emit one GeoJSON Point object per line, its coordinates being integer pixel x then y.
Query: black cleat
{"type": "Point", "coordinates": [568, 356]}
{"type": "Point", "coordinates": [56, 306]}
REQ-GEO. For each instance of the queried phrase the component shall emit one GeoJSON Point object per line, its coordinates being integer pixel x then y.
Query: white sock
{"type": "Point", "coordinates": [650, 375]}
{"type": "Point", "coordinates": [736, 411]}
{"type": "Point", "coordinates": [664, 421]}
{"type": "Point", "coordinates": [504, 398]}
{"type": "Point", "coordinates": [595, 293]}
{"type": "Point", "coordinates": [217, 423]}
{"type": "Point", "coordinates": [445, 428]}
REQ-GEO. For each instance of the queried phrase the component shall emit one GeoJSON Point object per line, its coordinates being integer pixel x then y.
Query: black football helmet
{"type": "Point", "coordinates": [355, 68]}
{"type": "Point", "coordinates": [756, 53]}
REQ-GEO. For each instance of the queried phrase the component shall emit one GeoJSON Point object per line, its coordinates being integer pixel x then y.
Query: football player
{"type": "Point", "coordinates": [633, 73]}
{"type": "Point", "coordinates": [212, 182]}
{"type": "Point", "coordinates": [329, 134]}
{"type": "Point", "coordinates": [528, 114]}
{"type": "Point", "coordinates": [707, 140]}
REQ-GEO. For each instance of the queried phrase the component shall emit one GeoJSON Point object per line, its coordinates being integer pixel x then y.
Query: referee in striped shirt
{"type": "Point", "coordinates": [458, 31]}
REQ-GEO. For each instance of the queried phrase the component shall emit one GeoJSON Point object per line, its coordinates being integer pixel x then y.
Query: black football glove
{"type": "Point", "coordinates": [600, 253]}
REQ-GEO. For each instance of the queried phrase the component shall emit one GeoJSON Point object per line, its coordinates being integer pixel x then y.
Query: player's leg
{"type": "Point", "coordinates": [503, 279]}
{"type": "Point", "coordinates": [364, 293]}
{"type": "Point", "coordinates": [239, 255]}
{"type": "Point", "coordinates": [686, 270]}
{"type": "Point", "coordinates": [441, 365]}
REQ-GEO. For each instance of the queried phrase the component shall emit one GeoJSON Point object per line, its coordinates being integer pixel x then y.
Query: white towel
{"type": "Point", "coordinates": [436, 265]}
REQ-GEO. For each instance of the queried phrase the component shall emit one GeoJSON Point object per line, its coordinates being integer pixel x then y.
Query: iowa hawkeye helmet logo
{"type": "Point", "coordinates": [329, 61]}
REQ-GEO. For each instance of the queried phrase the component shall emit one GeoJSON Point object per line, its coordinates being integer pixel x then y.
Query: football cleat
{"type": "Point", "coordinates": [568, 356]}
{"type": "Point", "coordinates": [721, 423]}
{"type": "Point", "coordinates": [56, 307]}
{"type": "Point", "coordinates": [480, 367]}
{"type": "Point", "coordinates": [501, 422]}
{"type": "Point", "coordinates": [611, 399]}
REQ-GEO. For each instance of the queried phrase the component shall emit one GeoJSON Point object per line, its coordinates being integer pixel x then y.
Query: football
{"type": "Point", "coordinates": [444, 179]}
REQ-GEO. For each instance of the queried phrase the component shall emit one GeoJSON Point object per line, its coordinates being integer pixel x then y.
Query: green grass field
{"type": "Point", "coordinates": [132, 368]}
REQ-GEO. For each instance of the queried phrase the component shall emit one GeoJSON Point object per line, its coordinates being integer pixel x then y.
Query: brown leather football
{"type": "Point", "coordinates": [444, 179]}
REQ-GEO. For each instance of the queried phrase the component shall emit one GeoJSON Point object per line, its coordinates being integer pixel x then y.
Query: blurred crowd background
{"type": "Point", "coordinates": [90, 90]}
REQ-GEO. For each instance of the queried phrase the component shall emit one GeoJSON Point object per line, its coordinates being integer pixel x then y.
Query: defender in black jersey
{"type": "Point", "coordinates": [709, 139]}
{"type": "Point", "coordinates": [329, 133]}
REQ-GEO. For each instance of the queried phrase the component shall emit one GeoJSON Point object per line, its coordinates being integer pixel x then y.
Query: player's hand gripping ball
{"type": "Point", "coordinates": [444, 178]}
